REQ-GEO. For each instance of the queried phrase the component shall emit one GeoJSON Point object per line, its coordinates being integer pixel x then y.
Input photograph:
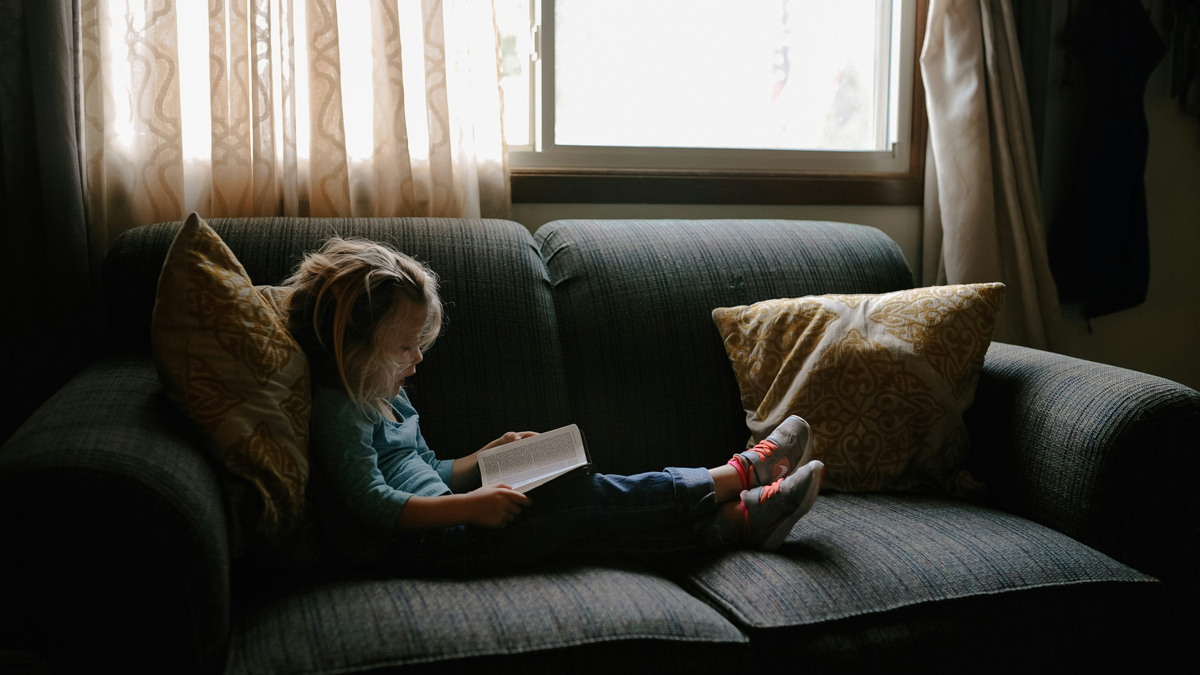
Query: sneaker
{"type": "Point", "coordinates": [771, 511]}
{"type": "Point", "coordinates": [778, 455]}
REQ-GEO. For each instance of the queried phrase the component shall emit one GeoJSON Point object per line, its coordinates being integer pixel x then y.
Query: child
{"type": "Point", "coordinates": [364, 315]}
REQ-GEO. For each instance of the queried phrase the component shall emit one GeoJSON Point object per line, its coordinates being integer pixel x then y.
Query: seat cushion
{"type": "Point", "coordinates": [607, 616]}
{"type": "Point", "coordinates": [913, 577]}
{"type": "Point", "coordinates": [634, 300]}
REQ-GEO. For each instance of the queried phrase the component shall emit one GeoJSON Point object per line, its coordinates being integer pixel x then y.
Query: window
{"type": "Point", "coordinates": [752, 101]}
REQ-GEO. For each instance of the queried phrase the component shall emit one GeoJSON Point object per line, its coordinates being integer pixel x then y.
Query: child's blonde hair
{"type": "Point", "coordinates": [340, 297]}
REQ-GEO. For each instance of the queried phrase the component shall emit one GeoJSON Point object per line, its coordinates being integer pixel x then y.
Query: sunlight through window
{"type": "Point", "coordinates": [698, 75]}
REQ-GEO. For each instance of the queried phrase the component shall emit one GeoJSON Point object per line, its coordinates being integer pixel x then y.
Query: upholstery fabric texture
{"type": "Point", "coordinates": [882, 379]}
{"type": "Point", "coordinates": [1105, 455]}
{"type": "Point", "coordinates": [227, 361]}
{"type": "Point", "coordinates": [863, 554]}
{"type": "Point", "coordinates": [634, 302]}
{"type": "Point", "coordinates": [920, 582]}
{"type": "Point", "coordinates": [1094, 627]}
{"type": "Point", "coordinates": [499, 324]}
{"type": "Point", "coordinates": [360, 624]}
{"type": "Point", "coordinates": [115, 526]}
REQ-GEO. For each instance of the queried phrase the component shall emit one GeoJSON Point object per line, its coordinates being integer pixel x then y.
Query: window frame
{"type": "Point", "coordinates": [704, 186]}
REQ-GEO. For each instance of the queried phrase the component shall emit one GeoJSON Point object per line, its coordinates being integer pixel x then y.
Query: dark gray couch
{"type": "Point", "coordinates": [114, 530]}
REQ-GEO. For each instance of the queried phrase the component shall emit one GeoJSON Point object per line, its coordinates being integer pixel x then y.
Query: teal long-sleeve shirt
{"type": "Point", "coordinates": [374, 465]}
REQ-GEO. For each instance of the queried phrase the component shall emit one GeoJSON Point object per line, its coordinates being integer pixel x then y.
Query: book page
{"type": "Point", "coordinates": [529, 462]}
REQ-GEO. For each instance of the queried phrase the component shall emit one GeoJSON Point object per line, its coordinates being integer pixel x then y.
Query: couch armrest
{"type": "Point", "coordinates": [113, 530]}
{"type": "Point", "coordinates": [1105, 455]}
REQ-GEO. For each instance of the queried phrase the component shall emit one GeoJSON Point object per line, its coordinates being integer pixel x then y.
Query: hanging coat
{"type": "Point", "coordinates": [1097, 237]}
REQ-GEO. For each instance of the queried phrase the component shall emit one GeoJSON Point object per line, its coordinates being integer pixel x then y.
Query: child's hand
{"type": "Point", "coordinates": [509, 438]}
{"type": "Point", "coordinates": [495, 505]}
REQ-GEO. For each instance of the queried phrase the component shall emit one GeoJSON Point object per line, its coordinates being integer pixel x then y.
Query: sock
{"type": "Point", "coordinates": [736, 463]}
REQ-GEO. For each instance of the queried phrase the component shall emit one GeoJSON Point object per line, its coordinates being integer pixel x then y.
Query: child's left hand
{"type": "Point", "coordinates": [509, 438]}
{"type": "Point", "coordinates": [465, 476]}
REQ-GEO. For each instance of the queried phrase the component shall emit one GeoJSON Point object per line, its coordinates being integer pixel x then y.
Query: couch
{"type": "Point", "coordinates": [113, 525]}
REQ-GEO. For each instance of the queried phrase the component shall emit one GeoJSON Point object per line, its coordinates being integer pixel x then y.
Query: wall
{"type": "Point", "coordinates": [1161, 337]}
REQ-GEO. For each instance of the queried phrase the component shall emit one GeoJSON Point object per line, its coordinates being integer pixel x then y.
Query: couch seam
{"type": "Point", "coordinates": [750, 625]}
{"type": "Point", "coordinates": [574, 643]}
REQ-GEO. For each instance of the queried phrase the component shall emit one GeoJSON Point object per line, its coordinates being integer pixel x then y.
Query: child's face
{"type": "Point", "coordinates": [401, 344]}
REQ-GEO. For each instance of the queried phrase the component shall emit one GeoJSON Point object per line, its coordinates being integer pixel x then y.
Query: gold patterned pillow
{"type": "Point", "coordinates": [227, 361]}
{"type": "Point", "coordinates": [882, 379]}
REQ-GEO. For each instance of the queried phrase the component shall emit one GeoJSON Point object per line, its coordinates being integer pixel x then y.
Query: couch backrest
{"type": "Point", "coordinates": [650, 383]}
{"type": "Point", "coordinates": [497, 365]}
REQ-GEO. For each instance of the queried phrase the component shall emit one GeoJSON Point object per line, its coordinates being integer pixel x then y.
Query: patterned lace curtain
{"type": "Point", "coordinates": [290, 108]}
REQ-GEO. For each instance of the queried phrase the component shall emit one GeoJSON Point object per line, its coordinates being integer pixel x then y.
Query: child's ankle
{"type": "Point", "coordinates": [731, 521]}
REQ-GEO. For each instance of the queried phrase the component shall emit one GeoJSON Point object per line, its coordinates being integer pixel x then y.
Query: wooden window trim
{"type": "Point", "coordinates": [637, 186]}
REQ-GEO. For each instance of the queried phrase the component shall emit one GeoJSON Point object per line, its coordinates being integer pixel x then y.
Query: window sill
{"type": "Point", "coordinates": [574, 186]}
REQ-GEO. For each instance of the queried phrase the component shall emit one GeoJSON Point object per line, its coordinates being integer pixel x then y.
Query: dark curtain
{"type": "Point", "coordinates": [1035, 24]}
{"type": "Point", "coordinates": [1086, 65]}
{"type": "Point", "coordinates": [1180, 19]}
{"type": "Point", "coordinates": [50, 259]}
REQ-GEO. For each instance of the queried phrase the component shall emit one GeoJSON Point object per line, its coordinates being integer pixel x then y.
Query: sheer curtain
{"type": "Point", "coordinates": [982, 211]}
{"type": "Point", "coordinates": [290, 107]}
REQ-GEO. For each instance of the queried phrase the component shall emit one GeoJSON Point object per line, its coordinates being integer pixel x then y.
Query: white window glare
{"type": "Point", "coordinates": [715, 74]}
{"type": "Point", "coordinates": [724, 84]}
{"type": "Point", "coordinates": [517, 55]}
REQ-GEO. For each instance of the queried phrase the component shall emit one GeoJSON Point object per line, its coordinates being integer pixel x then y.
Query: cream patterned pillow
{"type": "Point", "coordinates": [882, 379]}
{"type": "Point", "coordinates": [227, 361]}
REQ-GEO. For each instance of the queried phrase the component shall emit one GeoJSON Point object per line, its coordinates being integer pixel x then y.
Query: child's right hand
{"type": "Point", "coordinates": [495, 505]}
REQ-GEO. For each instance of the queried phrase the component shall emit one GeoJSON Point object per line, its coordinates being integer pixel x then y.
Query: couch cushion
{"type": "Point", "coordinates": [899, 573]}
{"type": "Point", "coordinates": [635, 300]}
{"type": "Point", "coordinates": [614, 616]}
{"type": "Point", "coordinates": [499, 328]}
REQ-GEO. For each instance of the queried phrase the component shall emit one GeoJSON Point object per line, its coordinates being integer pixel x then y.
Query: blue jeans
{"type": "Point", "coordinates": [646, 516]}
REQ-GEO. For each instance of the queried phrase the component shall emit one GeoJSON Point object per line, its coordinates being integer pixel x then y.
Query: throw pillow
{"type": "Point", "coordinates": [882, 379]}
{"type": "Point", "coordinates": [227, 360]}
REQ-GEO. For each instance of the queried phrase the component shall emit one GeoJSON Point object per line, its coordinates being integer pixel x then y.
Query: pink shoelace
{"type": "Point", "coordinates": [769, 491]}
{"type": "Point", "coordinates": [766, 494]}
{"type": "Point", "coordinates": [764, 450]}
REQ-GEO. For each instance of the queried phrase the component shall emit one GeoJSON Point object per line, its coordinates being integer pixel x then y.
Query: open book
{"type": "Point", "coordinates": [534, 461]}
